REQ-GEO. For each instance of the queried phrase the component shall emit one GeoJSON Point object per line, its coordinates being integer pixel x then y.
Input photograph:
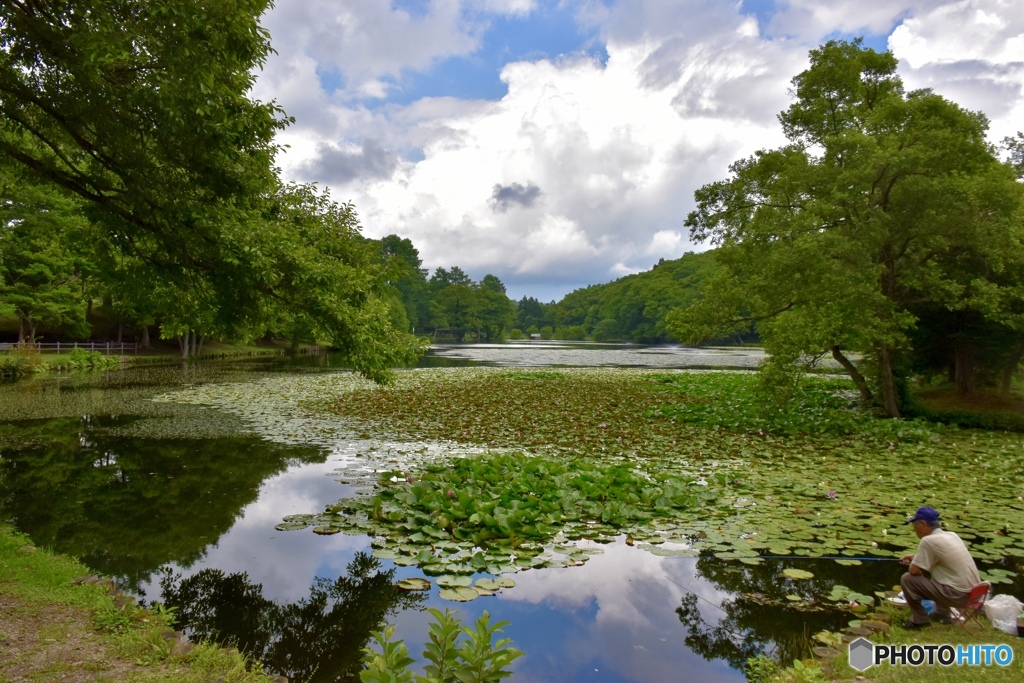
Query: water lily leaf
{"type": "Point", "coordinates": [449, 581]}
{"type": "Point", "coordinates": [459, 594]}
{"type": "Point", "coordinates": [797, 573]}
{"type": "Point", "coordinates": [414, 584]}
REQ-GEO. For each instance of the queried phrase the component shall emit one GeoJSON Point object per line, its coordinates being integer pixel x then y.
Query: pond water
{"type": "Point", "coordinates": [180, 502]}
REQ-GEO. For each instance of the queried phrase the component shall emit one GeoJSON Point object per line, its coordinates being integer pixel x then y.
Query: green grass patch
{"type": "Point", "coordinates": [77, 618]}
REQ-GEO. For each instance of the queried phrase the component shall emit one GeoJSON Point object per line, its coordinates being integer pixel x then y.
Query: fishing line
{"type": "Point", "coordinates": [825, 557]}
{"type": "Point", "coordinates": [742, 636]}
{"type": "Point", "coordinates": [699, 597]}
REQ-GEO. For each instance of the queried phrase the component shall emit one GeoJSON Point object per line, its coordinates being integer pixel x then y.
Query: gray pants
{"type": "Point", "coordinates": [918, 588]}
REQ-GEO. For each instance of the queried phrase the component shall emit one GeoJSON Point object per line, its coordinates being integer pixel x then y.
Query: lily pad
{"type": "Point", "coordinates": [459, 594]}
{"type": "Point", "coordinates": [449, 581]}
{"type": "Point", "coordinates": [797, 573]}
{"type": "Point", "coordinates": [414, 584]}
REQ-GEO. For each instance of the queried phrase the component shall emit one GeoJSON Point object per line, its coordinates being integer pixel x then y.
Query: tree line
{"type": "Point", "coordinates": [887, 225]}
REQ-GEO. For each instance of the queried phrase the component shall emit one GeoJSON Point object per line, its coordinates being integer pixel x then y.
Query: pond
{"type": "Point", "coordinates": [180, 500]}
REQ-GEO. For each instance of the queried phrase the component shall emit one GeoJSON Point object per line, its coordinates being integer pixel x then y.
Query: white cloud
{"type": "Point", "coordinates": [971, 52]}
{"type": "Point", "coordinates": [595, 163]}
{"type": "Point", "coordinates": [608, 148]}
{"type": "Point", "coordinates": [812, 20]}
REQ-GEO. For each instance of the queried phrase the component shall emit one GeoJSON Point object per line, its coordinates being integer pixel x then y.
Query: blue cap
{"type": "Point", "coordinates": [925, 514]}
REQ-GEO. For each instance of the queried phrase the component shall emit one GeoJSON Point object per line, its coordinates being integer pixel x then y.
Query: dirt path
{"type": "Point", "coordinates": [55, 643]}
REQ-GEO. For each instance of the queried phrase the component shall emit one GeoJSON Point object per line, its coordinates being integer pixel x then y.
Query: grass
{"type": "Point", "coordinates": [53, 629]}
{"type": "Point", "coordinates": [982, 409]}
{"type": "Point", "coordinates": [940, 634]}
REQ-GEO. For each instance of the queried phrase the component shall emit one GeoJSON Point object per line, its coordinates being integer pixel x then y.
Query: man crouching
{"type": "Point", "coordinates": [953, 571]}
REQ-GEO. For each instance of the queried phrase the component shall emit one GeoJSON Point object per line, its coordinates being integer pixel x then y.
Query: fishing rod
{"type": "Point", "coordinates": [825, 557]}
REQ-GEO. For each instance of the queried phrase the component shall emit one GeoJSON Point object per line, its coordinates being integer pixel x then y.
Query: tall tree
{"type": "Point", "coordinates": [829, 241]}
{"type": "Point", "coordinates": [142, 109]}
{"type": "Point", "coordinates": [40, 267]}
{"type": "Point", "coordinates": [406, 274]}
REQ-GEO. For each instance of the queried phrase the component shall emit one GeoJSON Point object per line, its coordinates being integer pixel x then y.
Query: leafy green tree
{"type": "Point", "coordinates": [531, 312]}
{"type": "Point", "coordinates": [828, 241]}
{"type": "Point", "coordinates": [457, 307]}
{"type": "Point", "coordinates": [142, 109]}
{"type": "Point", "coordinates": [406, 274]}
{"type": "Point", "coordinates": [40, 268]}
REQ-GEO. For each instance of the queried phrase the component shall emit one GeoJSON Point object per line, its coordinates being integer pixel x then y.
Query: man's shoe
{"type": "Point", "coordinates": [947, 620]}
{"type": "Point", "coordinates": [913, 626]}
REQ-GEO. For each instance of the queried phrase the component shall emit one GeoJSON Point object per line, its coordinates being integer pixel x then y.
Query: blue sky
{"type": "Point", "coordinates": [558, 143]}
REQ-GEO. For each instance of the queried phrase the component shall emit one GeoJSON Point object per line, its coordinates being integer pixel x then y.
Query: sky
{"type": "Point", "coordinates": [558, 143]}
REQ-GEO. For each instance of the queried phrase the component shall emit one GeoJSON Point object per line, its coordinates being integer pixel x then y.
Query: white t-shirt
{"type": "Point", "coordinates": [944, 554]}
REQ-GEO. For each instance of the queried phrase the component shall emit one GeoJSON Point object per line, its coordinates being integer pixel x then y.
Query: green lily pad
{"type": "Point", "coordinates": [797, 573]}
{"type": "Point", "coordinates": [459, 594]}
{"type": "Point", "coordinates": [449, 581]}
{"type": "Point", "coordinates": [414, 584]}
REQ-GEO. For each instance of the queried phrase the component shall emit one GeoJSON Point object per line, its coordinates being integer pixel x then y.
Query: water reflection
{"type": "Point", "coordinates": [589, 354]}
{"type": "Point", "coordinates": [317, 638]}
{"type": "Point", "coordinates": [128, 506]}
{"type": "Point", "coordinates": [757, 616]}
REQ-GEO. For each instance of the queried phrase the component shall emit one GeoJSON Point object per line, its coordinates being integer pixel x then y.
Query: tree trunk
{"type": "Point", "coordinates": [964, 367]}
{"type": "Point", "coordinates": [1008, 372]}
{"type": "Point", "coordinates": [21, 330]}
{"type": "Point", "coordinates": [120, 331]}
{"type": "Point", "coordinates": [199, 350]}
{"type": "Point", "coordinates": [858, 379]}
{"type": "Point", "coordinates": [183, 343]}
{"type": "Point", "coordinates": [887, 383]}
{"type": "Point", "coordinates": [195, 336]}
{"type": "Point", "coordinates": [145, 336]}
{"type": "Point", "coordinates": [31, 331]}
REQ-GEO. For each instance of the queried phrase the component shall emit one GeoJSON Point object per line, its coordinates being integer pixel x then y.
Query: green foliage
{"type": "Point", "coordinates": [801, 672]}
{"type": "Point", "coordinates": [174, 165]}
{"type": "Point", "coordinates": [474, 310]}
{"type": "Point", "coordinates": [516, 334]}
{"type": "Point", "coordinates": [760, 669]}
{"type": "Point", "coordinates": [634, 307]}
{"type": "Point", "coordinates": [475, 658]}
{"type": "Point", "coordinates": [507, 499]}
{"type": "Point", "coordinates": [881, 200]}
{"type": "Point", "coordinates": [80, 359]}
{"type": "Point", "coordinates": [22, 360]}
{"type": "Point", "coordinates": [41, 269]}
{"type": "Point", "coordinates": [504, 496]}
{"type": "Point", "coordinates": [571, 333]}
{"type": "Point", "coordinates": [813, 406]}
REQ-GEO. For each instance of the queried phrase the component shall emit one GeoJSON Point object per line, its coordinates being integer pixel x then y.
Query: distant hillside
{"type": "Point", "coordinates": [633, 307]}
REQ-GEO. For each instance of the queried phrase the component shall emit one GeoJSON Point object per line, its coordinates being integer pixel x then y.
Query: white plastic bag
{"type": "Point", "coordinates": [1002, 611]}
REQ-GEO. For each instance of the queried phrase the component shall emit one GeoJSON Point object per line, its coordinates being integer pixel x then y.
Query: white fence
{"type": "Point", "coordinates": [118, 348]}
